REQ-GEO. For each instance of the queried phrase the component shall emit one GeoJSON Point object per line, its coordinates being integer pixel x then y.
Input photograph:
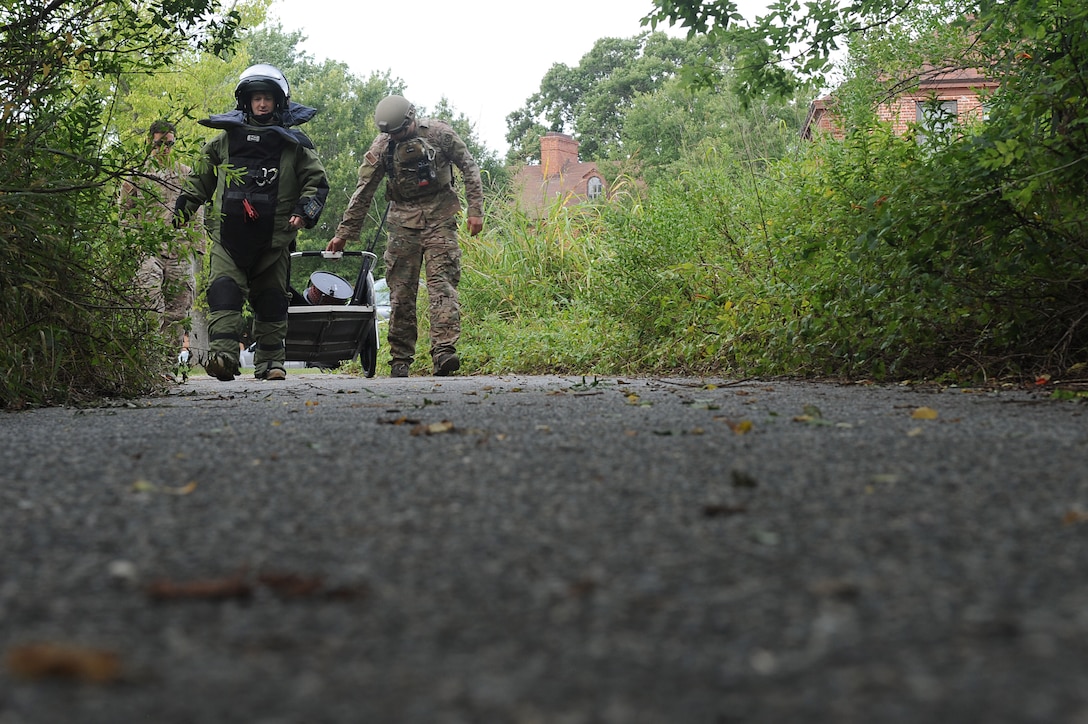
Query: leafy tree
{"type": "Point", "coordinates": [523, 133]}
{"type": "Point", "coordinates": [590, 100]}
{"type": "Point", "coordinates": [665, 129]}
{"type": "Point", "coordinates": [779, 52]}
{"type": "Point", "coordinates": [68, 327]}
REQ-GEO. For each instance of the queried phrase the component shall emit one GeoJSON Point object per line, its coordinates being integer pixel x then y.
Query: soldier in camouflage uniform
{"type": "Point", "coordinates": [267, 183]}
{"type": "Point", "coordinates": [416, 157]}
{"type": "Point", "coordinates": [166, 277]}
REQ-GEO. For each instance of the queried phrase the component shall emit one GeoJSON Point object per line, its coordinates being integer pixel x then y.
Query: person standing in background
{"type": "Point", "coordinates": [167, 277]}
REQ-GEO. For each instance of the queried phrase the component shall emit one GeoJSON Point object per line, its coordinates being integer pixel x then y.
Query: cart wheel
{"type": "Point", "coordinates": [368, 350]}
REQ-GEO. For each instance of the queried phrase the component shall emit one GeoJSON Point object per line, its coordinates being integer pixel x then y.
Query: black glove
{"type": "Point", "coordinates": [310, 210]}
{"type": "Point", "coordinates": [181, 213]}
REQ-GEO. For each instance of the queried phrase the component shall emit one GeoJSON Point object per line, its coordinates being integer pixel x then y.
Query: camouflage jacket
{"type": "Point", "coordinates": [424, 211]}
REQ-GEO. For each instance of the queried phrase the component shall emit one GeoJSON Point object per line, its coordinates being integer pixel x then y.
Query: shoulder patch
{"type": "Point", "coordinates": [370, 158]}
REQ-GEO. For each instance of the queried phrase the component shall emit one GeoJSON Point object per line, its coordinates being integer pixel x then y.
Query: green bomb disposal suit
{"type": "Point", "coordinates": [258, 176]}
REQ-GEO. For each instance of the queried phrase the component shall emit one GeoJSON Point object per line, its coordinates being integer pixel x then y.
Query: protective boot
{"type": "Point", "coordinates": [446, 364]}
{"type": "Point", "coordinates": [221, 366]}
{"type": "Point", "coordinates": [273, 373]}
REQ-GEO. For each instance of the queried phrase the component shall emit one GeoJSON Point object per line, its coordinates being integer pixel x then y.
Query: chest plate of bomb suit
{"type": "Point", "coordinates": [249, 201]}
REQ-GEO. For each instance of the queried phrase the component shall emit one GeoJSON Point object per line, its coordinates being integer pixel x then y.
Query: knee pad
{"type": "Point", "coordinates": [270, 305]}
{"type": "Point", "coordinates": [224, 295]}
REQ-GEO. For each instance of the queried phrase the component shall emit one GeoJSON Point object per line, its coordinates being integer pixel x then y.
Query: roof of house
{"type": "Point", "coordinates": [559, 174]}
{"type": "Point", "coordinates": [930, 79]}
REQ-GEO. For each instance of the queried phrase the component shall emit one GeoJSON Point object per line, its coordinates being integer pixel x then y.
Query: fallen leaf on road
{"type": "Point", "coordinates": [145, 486]}
{"type": "Point", "coordinates": [434, 428]}
{"type": "Point", "coordinates": [1075, 516]}
{"type": "Point", "coordinates": [212, 589]}
{"type": "Point", "coordinates": [402, 420]}
{"type": "Point", "coordinates": [742, 427]}
{"type": "Point", "coordinates": [924, 413]}
{"type": "Point", "coordinates": [815, 420]}
{"type": "Point", "coordinates": [291, 585]}
{"type": "Point", "coordinates": [63, 661]}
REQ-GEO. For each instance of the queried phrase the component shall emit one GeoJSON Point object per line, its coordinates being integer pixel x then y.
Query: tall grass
{"type": "Point", "coordinates": [526, 287]}
{"type": "Point", "coordinates": [844, 259]}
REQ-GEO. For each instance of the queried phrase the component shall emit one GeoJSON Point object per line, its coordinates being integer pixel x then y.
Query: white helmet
{"type": "Point", "coordinates": [262, 77]}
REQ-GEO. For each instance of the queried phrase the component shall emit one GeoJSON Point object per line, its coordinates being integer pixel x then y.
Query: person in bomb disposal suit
{"type": "Point", "coordinates": [267, 183]}
{"type": "Point", "coordinates": [416, 157]}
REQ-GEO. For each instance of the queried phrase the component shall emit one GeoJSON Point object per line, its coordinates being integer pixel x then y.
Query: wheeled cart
{"type": "Point", "coordinates": [331, 321]}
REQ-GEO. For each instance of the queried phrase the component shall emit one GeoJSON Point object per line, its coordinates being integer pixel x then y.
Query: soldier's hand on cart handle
{"type": "Point", "coordinates": [475, 225]}
{"type": "Point", "coordinates": [336, 244]}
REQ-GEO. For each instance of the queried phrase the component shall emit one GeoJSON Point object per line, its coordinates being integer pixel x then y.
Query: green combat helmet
{"type": "Point", "coordinates": [393, 114]}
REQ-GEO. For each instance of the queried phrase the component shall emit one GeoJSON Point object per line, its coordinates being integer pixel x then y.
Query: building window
{"type": "Point", "coordinates": [935, 117]}
{"type": "Point", "coordinates": [595, 188]}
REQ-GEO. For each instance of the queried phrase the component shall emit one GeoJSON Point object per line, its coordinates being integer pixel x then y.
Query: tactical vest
{"type": "Point", "coordinates": [249, 203]}
{"type": "Point", "coordinates": [416, 169]}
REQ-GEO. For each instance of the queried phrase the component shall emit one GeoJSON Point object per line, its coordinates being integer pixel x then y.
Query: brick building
{"type": "Point", "coordinates": [559, 174]}
{"type": "Point", "coordinates": [960, 94]}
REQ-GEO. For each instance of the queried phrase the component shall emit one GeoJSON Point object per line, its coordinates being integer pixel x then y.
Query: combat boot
{"type": "Point", "coordinates": [399, 369]}
{"type": "Point", "coordinates": [273, 373]}
{"type": "Point", "coordinates": [221, 366]}
{"type": "Point", "coordinates": [446, 364]}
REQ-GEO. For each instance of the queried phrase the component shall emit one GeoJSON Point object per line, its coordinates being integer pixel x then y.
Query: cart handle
{"type": "Point", "coordinates": [330, 254]}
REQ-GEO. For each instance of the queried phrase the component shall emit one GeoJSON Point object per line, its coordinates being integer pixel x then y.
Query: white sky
{"type": "Point", "coordinates": [487, 57]}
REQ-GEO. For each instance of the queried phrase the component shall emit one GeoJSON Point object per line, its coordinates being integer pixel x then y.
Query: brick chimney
{"type": "Point", "coordinates": [556, 150]}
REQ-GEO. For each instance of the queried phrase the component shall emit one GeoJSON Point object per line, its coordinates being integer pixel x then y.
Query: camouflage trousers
{"type": "Point", "coordinates": [435, 249]}
{"type": "Point", "coordinates": [169, 285]}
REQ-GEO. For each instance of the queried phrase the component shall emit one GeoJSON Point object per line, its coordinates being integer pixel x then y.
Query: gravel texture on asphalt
{"type": "Point", "coordinates": [533, 550]}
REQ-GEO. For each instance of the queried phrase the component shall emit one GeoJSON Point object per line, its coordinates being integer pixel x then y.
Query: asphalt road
{"type": "Point", "coordinates": [546, 550]}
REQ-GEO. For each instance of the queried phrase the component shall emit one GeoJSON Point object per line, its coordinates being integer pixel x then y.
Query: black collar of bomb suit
{"type": "Point", "coordinates": [294, 115]}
